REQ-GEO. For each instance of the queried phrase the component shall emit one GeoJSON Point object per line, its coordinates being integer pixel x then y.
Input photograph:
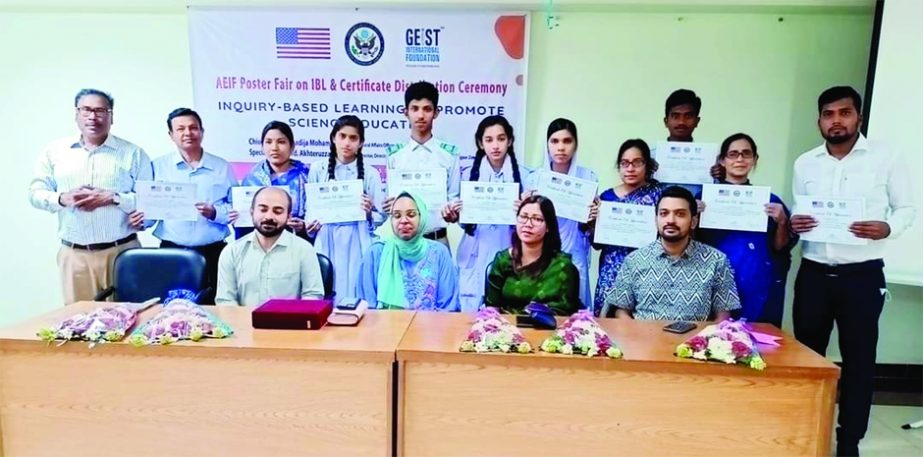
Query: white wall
{"type": "Point", "coordinates": [610, 71]}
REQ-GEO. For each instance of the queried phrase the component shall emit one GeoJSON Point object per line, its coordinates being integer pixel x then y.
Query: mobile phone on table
{"type": "Point", "coordinates": [347, 303]}
{"type": "Point", "coordinates": [679, 327]}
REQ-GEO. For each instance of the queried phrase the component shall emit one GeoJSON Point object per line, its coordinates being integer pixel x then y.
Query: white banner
{"type": "Point", "coordinates": [307, 67]}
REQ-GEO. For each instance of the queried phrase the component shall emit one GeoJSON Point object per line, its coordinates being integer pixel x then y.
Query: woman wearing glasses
{"type": "Point", "coordinates": [405, 270]}
{"type": "Point", "coordinates": [534, 269]}
{"type": "Point", "coordinates": [636, 169]}
{"type": "Point", "coordinates": [760, 260]}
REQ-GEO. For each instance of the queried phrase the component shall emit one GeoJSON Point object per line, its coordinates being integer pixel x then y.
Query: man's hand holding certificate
{"type": "Point", "coordinates": [165, 201]}
{"type": "Point", "coordinates": [572, 197]}
{"type": "Point", "coordinates": [625, 224]}
{"type": "Point", "coordinates": [685, 163]}
{"type": "Point", "coordinates": [334, 201]}
{"type": "Point", "coordinates": [832, 218]}
{"type": "Point", "coordinates": [488, 203]}
{"type": "Point", "coordinates": [731, 207]}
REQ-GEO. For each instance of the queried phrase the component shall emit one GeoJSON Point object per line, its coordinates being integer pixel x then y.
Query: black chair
{"type": "Point", "coordinates": [144, 273]}
{"type": "Point", "coordinates": [326, 274]}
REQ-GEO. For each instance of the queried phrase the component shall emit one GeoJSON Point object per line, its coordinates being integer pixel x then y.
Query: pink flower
{"type": "Point", "coordinates": [697, 343]}
{"type": "Point", "coordinates": [740, 349]}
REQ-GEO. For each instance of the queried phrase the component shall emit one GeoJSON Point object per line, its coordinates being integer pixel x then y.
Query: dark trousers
{"type": "Point", "coordinates": [852, 295]}
{"type": "Point", "coordinates": [211, 252]}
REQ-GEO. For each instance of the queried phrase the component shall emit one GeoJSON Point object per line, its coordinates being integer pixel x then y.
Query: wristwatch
{"type": "Point", "coordinates": [116, 199]}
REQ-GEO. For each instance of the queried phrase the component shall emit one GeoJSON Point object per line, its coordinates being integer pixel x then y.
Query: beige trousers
{"type": "Point", "coordinates": [86, 273]}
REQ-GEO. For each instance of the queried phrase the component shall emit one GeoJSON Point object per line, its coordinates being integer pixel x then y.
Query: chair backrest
{"type": "Point", "coordinates": [144, 273]}
{"type": "Point", "coordinates": [326, 273]}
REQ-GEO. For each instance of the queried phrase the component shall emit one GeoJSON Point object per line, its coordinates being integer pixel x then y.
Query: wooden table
{"type": "Point", "coordinates": [649, 403]}
{"type": "Point", "coordinates": [260, 392]}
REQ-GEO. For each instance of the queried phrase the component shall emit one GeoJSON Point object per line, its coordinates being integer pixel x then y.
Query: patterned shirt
{"type": "Point", "coordinates": [115, 166]}
{"type": "Point", "coordinates": [693, 287]}
{"type": "Point", "coordinates": [611, 257]}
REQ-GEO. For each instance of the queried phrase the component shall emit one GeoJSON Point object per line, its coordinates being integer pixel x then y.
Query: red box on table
{"type": "Point", "coordinates": [292, 314]}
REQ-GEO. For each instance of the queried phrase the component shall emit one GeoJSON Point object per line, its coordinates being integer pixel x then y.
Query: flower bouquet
{"type": "Point", "coordinates": [104, 324]}
{"type": "Point", "coordinates": [728, 341]}
{"type": "Point", "coordinates": [180, 319]}
{"type": "Point", "coordinates": [581, 334]}
{"type": "Point", "coordinates": [491, 332]}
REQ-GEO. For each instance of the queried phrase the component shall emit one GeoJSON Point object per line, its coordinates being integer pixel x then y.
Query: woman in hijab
{"type": "Point", "coordinates": [405, 270]}
{"type": "Point", "coordinates": [561, 157]}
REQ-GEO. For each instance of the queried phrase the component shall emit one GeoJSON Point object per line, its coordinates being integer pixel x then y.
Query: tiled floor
{"type": "Point", "coordinates": [885, 438]}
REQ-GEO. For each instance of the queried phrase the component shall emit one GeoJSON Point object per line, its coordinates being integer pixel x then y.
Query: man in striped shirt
{"type": "Point", "coordinates": [89, 182]}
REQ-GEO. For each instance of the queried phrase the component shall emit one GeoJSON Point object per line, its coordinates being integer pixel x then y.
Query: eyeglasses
{"type": "Point", "coordinates": [531, 220]}
{"type": "Point", "coordinates": [409, 214]}
{"type": "Point", "coordinates": [746, 154]}
{"type": "Point", "coordinates": [636, 163]}
{"type": "Point", "coordinates": [86, 111]}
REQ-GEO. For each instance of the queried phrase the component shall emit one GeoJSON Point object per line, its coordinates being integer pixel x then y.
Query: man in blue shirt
{"type": "Point", "coordinates": [213, 178]}
{"type": "Point", "coordinates": [675, 277]}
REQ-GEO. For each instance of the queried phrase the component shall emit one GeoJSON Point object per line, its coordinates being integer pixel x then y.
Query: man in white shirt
{"type": "Point", "coordinates": [424, 151]}
{"type": "Point", "coordinates": [269, 262]}
{"type": "Point", "coordinates": [89, 182]}
{"type": "Point", "coordinates": [845, 283]}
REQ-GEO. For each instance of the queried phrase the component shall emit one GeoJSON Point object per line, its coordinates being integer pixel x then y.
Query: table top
{"type": "Point", "coordinates": [435, 337]}
{"type": "Point", "coordinates": [374, 339]}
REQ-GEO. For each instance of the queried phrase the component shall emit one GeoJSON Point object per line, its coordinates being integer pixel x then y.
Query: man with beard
{"type": "Point", "coordinates": [89, 182]}
{"type": "Point", "coordinates": [675, 277]}
{"type": "Point", "coordinates": [269, 262]}
{"type": "Point", "coordinates": [845, 283]}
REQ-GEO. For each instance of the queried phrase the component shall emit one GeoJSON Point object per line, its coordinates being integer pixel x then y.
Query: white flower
{"type": "Point", "coordinates": [720, 349]}
{"type": "Point", "coordinates": [567, 349]}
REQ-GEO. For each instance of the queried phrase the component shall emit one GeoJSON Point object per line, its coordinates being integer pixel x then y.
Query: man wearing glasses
{"type": "Point", "coordinates": [89, 182]}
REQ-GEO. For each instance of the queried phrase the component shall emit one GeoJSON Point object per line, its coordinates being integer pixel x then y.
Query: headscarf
{"type": "Point", "coordinates": [390, 276]}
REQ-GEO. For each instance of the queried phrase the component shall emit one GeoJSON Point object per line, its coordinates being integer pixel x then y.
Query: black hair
{"type": "Point", "coordinates": [85, 92]}
{"type": "Point", "coordinates": [650, 164]}
{"type": "Point", "coordinates": [179, 112]}
{"type": "Point", "coordinates": [562, 124]}
{"type": "Point", "coordinates": [282, 127]}
{"type": "Point", "coordinates": [346, 121]}
{"type": "Point", "coordinates": [838, 93]}
{"type": "Point", "coordinates": [288, 198]}
{"type": "Point", "coordinates": [681, 97]}
{"type": "Point", "coordinates": [680, 192]}
{"type": "Point", "coordinates": [421, 90]}
{"type": "Point", "coordinates": [551, 244]}
{"type": "Point", "coordinates": [726, 144]}
{"type": "Point", "coordinates": [475, 173]}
